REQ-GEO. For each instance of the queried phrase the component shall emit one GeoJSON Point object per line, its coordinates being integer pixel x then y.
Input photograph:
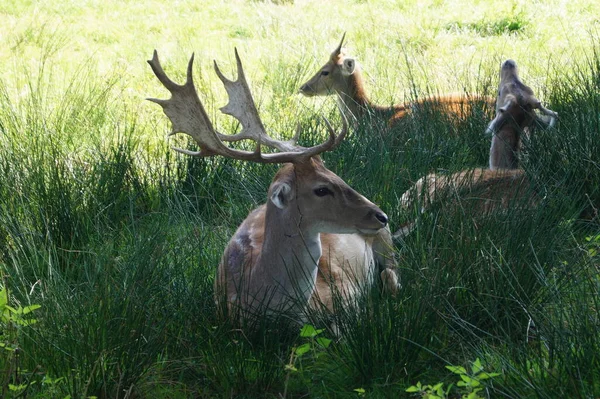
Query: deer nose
{"type": "Point", "coordinates": [305, 88]}
{"type": "Point", "coordinates": [382, 217]}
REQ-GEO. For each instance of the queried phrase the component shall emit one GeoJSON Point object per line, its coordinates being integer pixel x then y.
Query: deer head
{"type": "Point", "coordinates": [325, 202]}
{"type": "Point", "coordinates": [515, 113]}
{"type": "Point", "coordinates": [318, 191]}
{"type": "Point", "coordinates": [336, 76]}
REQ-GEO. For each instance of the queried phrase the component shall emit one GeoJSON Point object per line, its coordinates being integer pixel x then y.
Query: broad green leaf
{"type": "Point", "coordinates": [484, 376]}
{"type": "Point", "coordinates": [26, 322]}
{"type": "Point", "coordinates": [473, 395]}
{"type": "Point", "coordinates": [476, 367]}
{"type": "Point", "coordinates": [302, 349]}
{"type": "Point", "coordinates": [469, 380]}
{"type": "Point", "coordinates": [415, 388]}
{"type": "Point", "coordinates": [457, 369]}
{"type": "Point", "coordinates": [309, 331]}
{"type": "Point", "coordinates": [16, 388]}
{"type": "Point", "coordinates": [324, 342]}
{"type": "Point", "coordinates": [11, 309]}
{"type": "Point", "coordinates": [31, 308]}
{"type": "Point", "coordinates": [438, 389]}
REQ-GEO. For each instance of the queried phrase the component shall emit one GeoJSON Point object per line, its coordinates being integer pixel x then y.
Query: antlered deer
{"type": "Point", "coordinates": [515, 115]}
{"type": "Point", "coordinates": [480, 190]}
{"type": "Point", "coordinates": [313, 233]}
{"type": "Point", "coordinates": [342, 75]}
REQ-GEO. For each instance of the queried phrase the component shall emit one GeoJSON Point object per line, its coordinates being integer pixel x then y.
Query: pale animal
{"type": "Point", "coordinates": [314, 236]}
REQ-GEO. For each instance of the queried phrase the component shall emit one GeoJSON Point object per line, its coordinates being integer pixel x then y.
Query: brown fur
{"type": "Point", "coordinates": [481, 190]}
{"type": "Point", "coordinates": [346, 260]}
{"type": "Point", "coordinates": [343, 76]}
{"type": "Point", "coordinates": [336, 276]}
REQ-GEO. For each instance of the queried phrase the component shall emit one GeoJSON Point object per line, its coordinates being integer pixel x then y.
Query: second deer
{"type": "Point", "coordinates": [499, 186]}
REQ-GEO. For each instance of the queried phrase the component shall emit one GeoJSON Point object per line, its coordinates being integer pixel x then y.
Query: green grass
{"type": "Point", "coordinates": [118, 238]}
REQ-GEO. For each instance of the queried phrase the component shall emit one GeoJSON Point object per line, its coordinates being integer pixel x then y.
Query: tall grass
{"type": "Point", "coordinates": [118, 238]}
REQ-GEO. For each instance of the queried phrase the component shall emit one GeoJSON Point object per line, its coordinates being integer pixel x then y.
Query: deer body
{"type": "Point", "coordinates": [344, 262]}
{"type": "Point", "coordinates": [480, 190]}
{"type": "Point", "coordinates": [342, 75]}
{"type": "Point", "coordinates": [313, 232]}
{"type": "Point", "coordinates": [293, 243]}
{"type": "Point", "coordinates": [515, 115]}
{"type": "Point", "coordinates": [493, 188]}
{"type": "Point", "coordinates": [499, 186]}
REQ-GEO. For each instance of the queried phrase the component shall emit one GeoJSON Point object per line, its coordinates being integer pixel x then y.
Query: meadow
{"type": "Point", "coordinates": [109, 240]}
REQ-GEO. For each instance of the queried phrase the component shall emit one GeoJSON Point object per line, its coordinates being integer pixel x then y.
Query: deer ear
{"type": "Point", "coordinates": [349, 66]}
{"type": "Point", "coordinates": [280, 194]}
{"type": "Point", "coordinates": [509, 101]}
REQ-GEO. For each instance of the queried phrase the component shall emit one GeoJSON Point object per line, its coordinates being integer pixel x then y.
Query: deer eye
{"type": "Point", "coordinates": [324, 73]}
{"type": "Point", "coordinates": [322, 191]}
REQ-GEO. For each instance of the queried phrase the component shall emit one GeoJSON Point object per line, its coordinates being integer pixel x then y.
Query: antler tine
{"type": "Point", "coordinates": [297, 133]}
{"type": "Point", "coordinates": [242, 107]}
{"type": "Point", "coordinates": [340, 137]}
{"type": "Point", "coordinates": [338, 50]}
{"type": "Point", "coordinates": [187, 115]}
{"type": "Point", "coordinates": [160, 72]}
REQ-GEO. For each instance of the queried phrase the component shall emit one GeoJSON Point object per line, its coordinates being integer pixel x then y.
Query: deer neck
{"type": "Point", "coordinates": [505, 148]}
{"type": "Point", "coordinates": [287, 269]}
{"type": "Point", "coordinates": [353, 97]}
{"type": "Point", "coordinates": [354, 102]}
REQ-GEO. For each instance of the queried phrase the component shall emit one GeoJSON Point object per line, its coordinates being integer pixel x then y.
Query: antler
{"type": "Point", "coordinates": [338, 49]}
{"type": "Point", "coordinates": [188, 116]}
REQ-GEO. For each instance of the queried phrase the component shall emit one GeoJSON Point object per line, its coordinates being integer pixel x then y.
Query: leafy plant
{"type": "Point", "coordinates": [12, 320]}
{"type": "Point", "coordinates": [593, 247]}
{"type": "Point", "coordinates": [469, 385]}
{"type": "Point", "coordinates": [314, 343]}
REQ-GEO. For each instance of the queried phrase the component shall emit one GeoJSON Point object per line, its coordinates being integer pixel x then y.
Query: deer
{"type": "Point", "coordinates": [314, 236]}
{"type": "Point", "coordinates": [485, 190]}
{"type": "Point", "coordinates": [342, 75]}
{"type": "Point", "coordinates": [515, 115]}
